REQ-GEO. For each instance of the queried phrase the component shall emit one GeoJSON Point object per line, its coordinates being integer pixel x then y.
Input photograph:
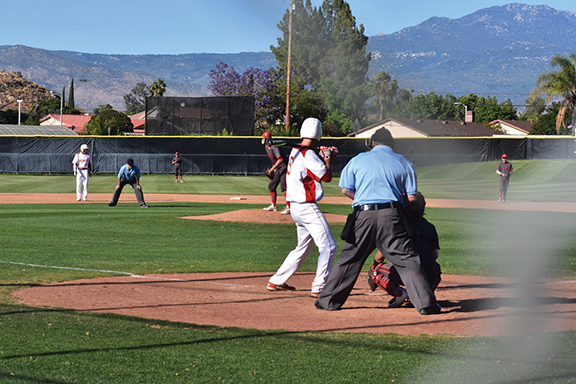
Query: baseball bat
{"type": "Point", "coordinates": [282, 143]}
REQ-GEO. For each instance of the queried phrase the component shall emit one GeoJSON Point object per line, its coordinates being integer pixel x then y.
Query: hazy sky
{"type": "Point", "coordinates": [200, 26]}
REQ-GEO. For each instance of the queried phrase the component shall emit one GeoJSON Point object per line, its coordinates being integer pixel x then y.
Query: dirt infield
{"type": "Point", "coordinates": [471, 305]}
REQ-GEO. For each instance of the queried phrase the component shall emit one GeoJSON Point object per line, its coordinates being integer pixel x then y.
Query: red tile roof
{"type": "Point", "coordinates": [75, 122]}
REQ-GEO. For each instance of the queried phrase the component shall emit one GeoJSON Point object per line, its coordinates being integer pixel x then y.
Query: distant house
{"type": "Point", "coordinates": [514, 127]}
{"type": "Point", "coordinates": [77, 123]}
{"type": "Point", "coordinates": [138, 121]}
{"type": "Point", "coordinates": [405, 127]}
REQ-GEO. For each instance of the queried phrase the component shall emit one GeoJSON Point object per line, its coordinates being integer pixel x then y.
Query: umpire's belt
{"type": "Point", "coordinates": [375, 207]}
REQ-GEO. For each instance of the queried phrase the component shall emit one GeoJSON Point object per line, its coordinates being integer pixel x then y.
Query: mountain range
{"type": "Point", "coordinates": [499, 51]}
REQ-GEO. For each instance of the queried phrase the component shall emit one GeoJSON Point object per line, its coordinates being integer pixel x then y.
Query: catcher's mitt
{"type": "Point", "coordinates": [270, 173]}
{"type": "Point", "coordinates": [328, 152]}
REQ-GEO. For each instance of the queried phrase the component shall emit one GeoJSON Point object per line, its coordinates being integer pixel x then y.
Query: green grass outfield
{"type": "Point", "coordinates": [546, 180]}
{"type": "Point", "coordinates": [44, 345]}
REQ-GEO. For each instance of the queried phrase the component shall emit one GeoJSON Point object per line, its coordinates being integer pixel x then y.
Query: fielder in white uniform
{"type": "Point", "coordinates": [82, 165]}
{"type": "Point", "coordinates": [304, 188]}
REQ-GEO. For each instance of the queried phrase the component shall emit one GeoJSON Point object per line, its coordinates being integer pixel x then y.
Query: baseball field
{"type": "Point", "coordinates": [176, 292]}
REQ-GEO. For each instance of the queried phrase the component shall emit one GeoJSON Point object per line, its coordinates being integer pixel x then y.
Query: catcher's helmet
{"type": "Point", "coordinates": [83, 147]}
{"type": "Point", "coordinates": [416, 209]}
{"type": "Point", "coordinates": [311, 129]}
{"type": "Point", "coordinates": [266, 135]}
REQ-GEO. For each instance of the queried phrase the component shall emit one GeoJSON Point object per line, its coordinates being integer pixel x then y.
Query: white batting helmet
{"type": "Point", "coordinates": [311, 129]}
{"type": "Point", "coordinates": [83, 147]}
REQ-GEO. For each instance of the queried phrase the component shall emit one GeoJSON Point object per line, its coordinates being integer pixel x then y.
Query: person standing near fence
{"type": "Point", "coordinates": [128, 174]}
{"type": "Point", "coordinates": [82, 166]}
{"type": "Point", "coordinates": [177, 162]}
{"type": "Point", "coordinates": [504, 169]}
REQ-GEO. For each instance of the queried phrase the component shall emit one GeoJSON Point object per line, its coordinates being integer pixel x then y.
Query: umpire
{"type": "Point", "coordinates": [128, 174]}
{"type": "Point", "coordinates": [377, 181]}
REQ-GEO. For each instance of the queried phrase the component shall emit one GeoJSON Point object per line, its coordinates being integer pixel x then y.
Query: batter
{"type": "Point", "coordinates": [304, 189]}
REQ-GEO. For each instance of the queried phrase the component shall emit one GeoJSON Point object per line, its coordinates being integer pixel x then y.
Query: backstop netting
{"type": "Point", "coordinates": [176, 116]}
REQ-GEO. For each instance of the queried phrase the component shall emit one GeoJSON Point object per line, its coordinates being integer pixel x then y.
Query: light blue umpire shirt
{"type": "Point", "coordinates": [128, 173]}
{"type": "Point", "coordinates": [379, 176]}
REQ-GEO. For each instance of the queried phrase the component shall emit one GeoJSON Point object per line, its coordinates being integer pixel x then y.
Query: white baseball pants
{"type": "Point", "coordinates": [311, 226]}
{"type": "Point", "coordinates": [82, 181]}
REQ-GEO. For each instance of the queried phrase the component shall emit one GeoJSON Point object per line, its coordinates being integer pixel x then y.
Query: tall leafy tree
{"type": "Point", "coordinates": [157, 88]}
{"type": "Point", "coordinates": [559, 84]}
{"type": "Point", "coordinates": [107, 118]}
{"type": "Point", "coordinates": [384, 90]}
{"type": "Point", "coordinates": [344, 67]}
{"type": "Point", "coordinates": [71, 96]}
{"type": "Point", "coordinates": [136, 100]}
{"type": "Point", "coordinates": [329, 60]}
{"type": "Point", "coordinates": [262, 84]}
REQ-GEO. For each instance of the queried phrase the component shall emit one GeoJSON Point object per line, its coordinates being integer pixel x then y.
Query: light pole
{"type": "Point", "coordinates": [19, 109]}
{"type": "Point", "coordinates": [465, 110]}
{"type": "Point", "coordinates": [289, 69]}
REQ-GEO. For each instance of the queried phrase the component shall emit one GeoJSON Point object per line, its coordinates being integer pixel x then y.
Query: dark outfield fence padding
{"type": "Point", "coordinates": [246, 155]}
{"type": "Point", "coordinates": [173, 116]}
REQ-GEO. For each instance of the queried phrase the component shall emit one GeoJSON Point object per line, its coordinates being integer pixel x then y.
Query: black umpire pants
{"type": "Point", "coordinates": [383, 229]}
{"type": "Point", "coordinates": [138, 192]}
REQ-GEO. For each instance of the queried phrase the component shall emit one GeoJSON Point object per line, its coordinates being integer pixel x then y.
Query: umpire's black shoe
{"type": "Point", "coordinates": [432, 310]}
{"type": "Point", "coordinates": [111, 204]}
{"type": "Point", "coordinates": [319, 306]}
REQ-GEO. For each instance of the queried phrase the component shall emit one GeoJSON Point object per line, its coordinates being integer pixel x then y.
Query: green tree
{"type": "Point", "coordinates": [533, 109]}
{"type": "Point", "coordinates": [546, 123]}
{"type": "Point", "coordinates": [343, 69]}
{"type": "Point", "coordinates": [48, 107]}
{"type": "Point", "coordinates": [117, 122]}
{"type": "Point", "coordinates": [384, 90]}
{"type": "Point", "coordinates": [136, 100]}
{"type": "Point", "coordinates": [329, 60]}
{"type": "Point", "coordinates": [71, 96]}
{"type": "Point", "coordinates": [560, 83]}
{"type": "Point", "coordinates": [428, 106]}
{"type": "Point", "coordinates": [487, 109]}
{"type": "Point", "coordinates": [157, 88]}
{"type": "Point", "coordinates": [336, 124]}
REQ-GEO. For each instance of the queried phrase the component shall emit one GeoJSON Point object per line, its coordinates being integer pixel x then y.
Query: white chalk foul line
{"type": "Point", "coordinates": [116, 272]}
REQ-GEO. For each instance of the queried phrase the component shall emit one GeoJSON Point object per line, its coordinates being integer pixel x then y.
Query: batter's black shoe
{"type": "Point", "coordinates": [432, 310]}
{"type": "Point", "coordinates": [144, 206]}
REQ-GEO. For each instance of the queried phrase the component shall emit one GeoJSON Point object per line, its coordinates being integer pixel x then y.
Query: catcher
{"type": "Point", "coordinates": [276, 174]}
{"type": "Point", "coordinates": [426, 244]}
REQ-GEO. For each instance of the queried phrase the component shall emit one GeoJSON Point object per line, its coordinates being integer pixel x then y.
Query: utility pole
{"type": "Point", "coordinates": [289, 69]}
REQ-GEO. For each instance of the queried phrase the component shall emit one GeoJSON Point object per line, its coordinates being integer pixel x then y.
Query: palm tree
{"type": "Point", "coordinates": [561, 83]}
{"type": "Point", "coordinates": [385, 90]}
{"type": "Point", "coordinates": [157, 88]}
